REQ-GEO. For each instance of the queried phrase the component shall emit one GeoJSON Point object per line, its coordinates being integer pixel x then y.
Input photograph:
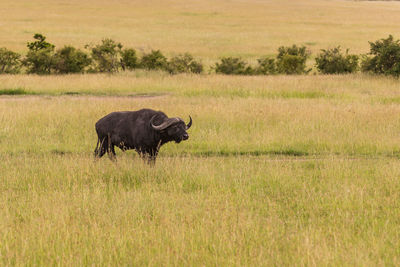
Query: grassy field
{"type": "Point", "coordinates": [208, 29]}
{"type": "Point", "coordinates": [278, 170]}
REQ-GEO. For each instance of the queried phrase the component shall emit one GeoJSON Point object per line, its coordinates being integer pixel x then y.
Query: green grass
{"type": "Point", "coordinates": [307, 176]}
{"type": "Point", "coordinates": [195, 211]}
{"type": "Point", "coordinates": [283, 180]}
{"type": "Point", "coordinates": [17, 91]}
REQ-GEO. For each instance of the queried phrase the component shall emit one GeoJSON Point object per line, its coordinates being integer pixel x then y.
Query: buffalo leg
{"type": "Point", "coordinates": [152, 160]}
{"type": "Point", "coordinates": [100, 148]}
{"type": "Point", "coordinates": [142, 155]}
{"type": "Point", "coordinates": [145, 156]}
{"type": "Point", "coordinates": [111, 153]}
{"type": "Point", "coordinates": [152, 156]}
{"type": "Point", "coordinates": [110, 149]}
{"type": "Point", "coordinates": [96, 150]}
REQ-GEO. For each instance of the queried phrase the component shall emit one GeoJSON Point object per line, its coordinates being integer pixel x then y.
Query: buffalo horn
{"type": "Point", "coordinates": [190, 123]}
{"type": "Point", "coordinates": [165, 124]}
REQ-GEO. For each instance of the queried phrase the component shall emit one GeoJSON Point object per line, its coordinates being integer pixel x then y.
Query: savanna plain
{"type": "Point", "coordinates": [278, 170]}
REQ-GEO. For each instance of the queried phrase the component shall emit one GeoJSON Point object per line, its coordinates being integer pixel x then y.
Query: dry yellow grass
{"type": "Point", "coordinates": [351, 115]}
{"type": "Point", "coordinates": [70, 210]}
{"type": "Point", "coordinates": [350, 87]}
{"type": "Point", "coordinates": [234, 194]}
{"type": "Point", "coordinates": [208, 29]}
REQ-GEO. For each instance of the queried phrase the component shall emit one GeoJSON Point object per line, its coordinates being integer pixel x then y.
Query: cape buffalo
{"type": "Point", "coordinates": [145, 130]}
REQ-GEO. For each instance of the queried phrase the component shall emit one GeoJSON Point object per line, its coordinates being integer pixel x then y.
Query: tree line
{"type": "Point", "coordinates": [110, 56]}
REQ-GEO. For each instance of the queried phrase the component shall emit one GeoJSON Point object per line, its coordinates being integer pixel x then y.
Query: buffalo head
{"type": "Point", "coordinates": [175, 128]}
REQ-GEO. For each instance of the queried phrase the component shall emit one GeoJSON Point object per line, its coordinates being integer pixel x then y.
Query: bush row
{"type": "Point", "coordinates": [110, 56]}
{"type": "Point", "coordinates": [383, 58]}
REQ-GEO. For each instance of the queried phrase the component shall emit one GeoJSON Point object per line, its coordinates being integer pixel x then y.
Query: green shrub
{"type": "Point", "coordinates": [385, 57]}
{"type": "Point", "coordinates": [40, 43]}
{"type": "Point", "coordinates": [106, 56]}
{"type": "Point", "coordinates": [129, 59]}
{"type": "Point", "coordinates": [10, 62]}
{"type": "Point", "coordinates": [368, 64]}
{"type": "Point", "coordinates": [233, 66]}
{"type": "Point", "coordinates": [184, 63]}
{"type": "Point", "coordinates": [71, 60]}
{"type": "Point", "coordinates": [266, 66]}
{"type": "Point", "coordinates": [40, 61]}
{"type": "Point", "coordinates": [40, 58]}
{"type": "Point", "coordinates": [332, 61]}
{"type": "Point", "coordinates": [292, 60]}
{"type": "Point", "coordinates": [154, 60]}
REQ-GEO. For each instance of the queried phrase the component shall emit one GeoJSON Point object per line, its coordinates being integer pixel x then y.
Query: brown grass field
{"type": "Point", "coordinates": [207, 29]}
{"type": "Point", "coordinates": [278, 170]}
